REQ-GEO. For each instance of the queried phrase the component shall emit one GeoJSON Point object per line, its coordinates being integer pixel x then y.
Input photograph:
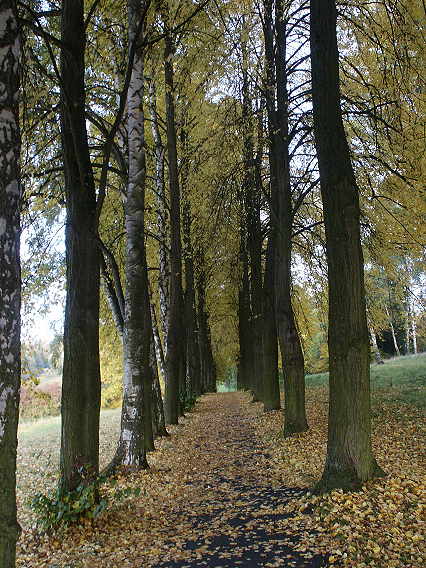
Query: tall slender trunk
{"type": "Point", "coordinates": [158, 419]}
{"type": "Point", "coordinates": [81, 374]}
{"type": "Point", "coordinates": [394, 339]}
{"type": "Point", "coordinates": [207, 364]}
{"type": "Point", "coordinates": [159, 349]}
{"type": "Point", "coordinates": [252, 220]}
{"type": "Point", "coordinates": [288, 335]}
{"type": "Point", "coordinates": [192, 351]}
{"type": "Point", "coordinates": [136, 423]}
{"type": "Point", "coordinates": [162, 213]}
{"type": "Point", "coordinates": [407, 331]}
{"type": "Point", "coordinates": [271, 385]}
{"type": "Point", "coordinates": [270, 339]}
{"type": "Point", "coordinates": [245, 369]}
{"type": "Point", "coordinates": [414, 331]}
{"type": "Point", "coordinates": [350, 459]}
{"type": "Point", "coordinates": [109, 287]}
{"type": "Point", "coordinates": [175, 358]}
{"type": "Point", "coordinates": [155, 411]}
{"type": "Point", "coordinates": [10, 276]}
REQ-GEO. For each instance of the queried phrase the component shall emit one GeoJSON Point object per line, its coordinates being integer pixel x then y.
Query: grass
{"type": "Point", "coordinates": [401, 379]}
{"type": "Point", "coordinates": [38, 456]}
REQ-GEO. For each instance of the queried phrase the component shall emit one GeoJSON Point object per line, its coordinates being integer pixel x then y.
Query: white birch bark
{"type": "Point", "coordinates": [10, 281]}
{"type": "Point", "coordinates": [131, 451]}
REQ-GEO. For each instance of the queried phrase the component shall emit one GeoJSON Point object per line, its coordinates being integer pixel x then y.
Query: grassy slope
{"type": "Point", "coordinates": [38, 456]}
{"type": "Point", "coordinates": [399, 379]}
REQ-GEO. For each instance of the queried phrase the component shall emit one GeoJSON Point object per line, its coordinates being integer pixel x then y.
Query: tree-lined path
{"type": "Point", "coordinates": [211, 498]}
{"type": "Point", "coordinates": [212, 196]}
{"type": "Point", "coordinates": [239, 509]}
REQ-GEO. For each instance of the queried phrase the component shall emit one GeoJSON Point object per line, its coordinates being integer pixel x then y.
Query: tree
{"type": "Point", "coordinates": [10, 276]}
{"type": "Point", "coordinates": [350, 459]}
{"type": "Point", "coordinates": [282, 218]}
{"type": "Point", "coordinates": [136, 422]}
{"type": "Point", "coordinates": [175, 357]}
{"type": "Point", "coordinates": [81, 375]}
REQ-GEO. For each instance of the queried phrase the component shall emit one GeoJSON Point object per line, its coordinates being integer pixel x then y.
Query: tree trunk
{"type": "Point", "coordinates": [288, 335]}
{"type": "Point", "coordinates": [155, 412]}
{"type": "Point", "coordinates": [245, 368]}
{"type": "Point", "coordinates": [350, 460]}
{"type": "Point", "coordinates": [414, 332]}
{"type": "Point", "coordinates": [175, 358]}
{"type": "Point", "coordinates": [252, 220]}
{"type": "Point", "coordinates": [158, 419]}
{"type": "Point", "coordinates": [271, 385]}
{"type": "Point", "coordinates": [162, 214]}
{"type": "Point", "coordinates": [271, 394]}
{"type": "Point", "coordinates": [192, 351]}
{"type": "Point", "coordinates": [411, 325]}
{"type": "Point", "coordinates": [376, 351]}
{"type": "Point", "coordinates": [136, 420]}
{"type": "Point", "coordinates": [10, 277]}
{"type": "Point", "coordinates": [395, 342]}
{"type": "Point", "coordinates": [159, 350]}
{"type": "Point", "coordinates": [407, 332]}
{"type": "Point", "coordinates": [81, 375]}
{"type": "Point", "coordinates": [207, 364]}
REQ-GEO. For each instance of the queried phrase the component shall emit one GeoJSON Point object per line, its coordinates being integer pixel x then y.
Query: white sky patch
{"type": "Point", "coordinates": [45, 318]}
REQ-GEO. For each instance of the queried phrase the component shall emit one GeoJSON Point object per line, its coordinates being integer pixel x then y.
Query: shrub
{"type": "Point", "coordinates": [85, 502]}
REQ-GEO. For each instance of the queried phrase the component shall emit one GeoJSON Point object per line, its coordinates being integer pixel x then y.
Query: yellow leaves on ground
{"type": "Point", "coordinates": [384, 524]}
{"type": "Point", "coordinates": [227, 485]}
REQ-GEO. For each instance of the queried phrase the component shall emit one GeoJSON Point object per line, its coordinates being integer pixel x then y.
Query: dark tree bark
{"type": "Point", "coordinates": [251, 200]}
{"type": "Point", "coordinates": [207, 363]}
{"type": "Point", "coordinates": [175, 358]}
{"type": "Point", "coordinates": [271, 385]}
{"type": "Point", "coordinates": [271, 394]}
{"type": "Point", "coordinates": [245, 368]}
{"type": "Point", "coordinates": [350, 460]}
{"type": "Point", "coordinates": [136, 419]}
{"type": "Point", "coordinates": [10, 276]}
{"type": "Point", "coordinates": [162, 214]}
{"type": "Point", "coordinates": [289, 340]}
{"type": "Point", "coordinates": [193, 383]}
{"type": "Point", "coordinates": [81, 374]}
{"type": "Point", "coordinates": [192, 351]}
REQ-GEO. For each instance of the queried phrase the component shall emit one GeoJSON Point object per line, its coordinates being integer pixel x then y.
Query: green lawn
{"type": "Point", "coordinates": [401, 379]}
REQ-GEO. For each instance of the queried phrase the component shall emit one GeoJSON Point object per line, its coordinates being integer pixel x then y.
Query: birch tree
{"type": "Point", "coordinates": [136, 426]}
{"type": "Point", "coordinates": [10, 276]}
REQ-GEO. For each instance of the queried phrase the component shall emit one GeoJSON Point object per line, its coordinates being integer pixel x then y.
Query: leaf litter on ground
{"type": "Point", "coordinates": [226, 489]}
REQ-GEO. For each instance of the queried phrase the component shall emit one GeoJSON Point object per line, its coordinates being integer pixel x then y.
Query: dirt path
{"type": "Point", "coordinates": [238, 519]}
{"type": "Point", "coordinates": [209, 499]}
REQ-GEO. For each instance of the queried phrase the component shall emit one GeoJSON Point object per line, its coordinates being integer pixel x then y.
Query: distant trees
{"type": "Point", "coordinates": [275, 152]}
{"type": "Point", "coordinates": [10, 275]}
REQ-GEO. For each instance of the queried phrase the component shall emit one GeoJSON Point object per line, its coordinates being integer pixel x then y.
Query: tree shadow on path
{"type": "Point", "coordinates": [240, 522]}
